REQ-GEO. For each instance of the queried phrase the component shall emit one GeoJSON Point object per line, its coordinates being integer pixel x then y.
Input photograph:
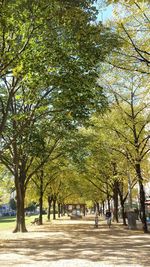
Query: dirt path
{"type": "Point", "coordinates": [70, 243]}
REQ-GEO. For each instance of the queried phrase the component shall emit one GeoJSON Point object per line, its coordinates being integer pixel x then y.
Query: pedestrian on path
{"type": "Point", "coordinates": [96, 221]}
{"type": "Point", "coordinates": [108, 217]}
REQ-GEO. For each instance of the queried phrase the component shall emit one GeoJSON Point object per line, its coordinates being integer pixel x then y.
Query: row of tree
{"type": "Point", "coordinates": [52, 80]}
{"type": "Point", "coordinates": [120, 152]}
{"type": "Point", "coordinates": [49, 54]}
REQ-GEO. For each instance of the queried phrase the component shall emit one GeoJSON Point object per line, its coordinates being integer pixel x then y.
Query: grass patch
{"type": "Point", "coordinates": [9, 222]}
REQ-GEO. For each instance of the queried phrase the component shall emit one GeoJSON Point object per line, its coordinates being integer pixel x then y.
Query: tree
{"type": "Point", "coordinates": [130, 2]}
{"type": "Point", "coordinates": [43, 181]}
{"type": "Point", "coordinates": [24, 162]}
{"type": "Point", "coordinates": [134, 58]}
{"type": "Point", "coordinates": [48, 39]}
{"type": "Point", "coordinates": [131, 22]}
{"type": "Point", "coordinates": [48, 71]}
{"type": "Point", "coordinates": [93, 163]}
{"type": "Point", "coordinates": [130, 120]}
{"type": "Point", "coordinates": [7, 185]}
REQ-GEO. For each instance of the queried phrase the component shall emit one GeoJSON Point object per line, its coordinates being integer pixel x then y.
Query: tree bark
{"type": "Point", "coordinates": [63, 207]}
{"type": "Point", "coordinates": [41, 199]}
{"type": "Point", "coordinates": [103, 207]}
{"type": "Point", "coordinates": [84, 210]}
{"type": "Point", "coordinates": [49, 207]}
{"type": "Point", "coordinates": [59, 210]}
{"type": "Point", "coordinates": [123, 210]}
{"type": "Point", "coordinates": [108, 201]}
{"type": "Point", "coordinates": [122, 201]}
{"type": "Point", "coordinates": [97, 208]}
{"type": "Point", "coordinates": [142, 197]}
{"type": "Point", "coordinates": [20, 196]}
{"type": "Point", "coordinates": [54, 207]}
{"type": "Point", "coordinates": [115, 198]}
{"type": "Point", "coordinates": [115, 192]}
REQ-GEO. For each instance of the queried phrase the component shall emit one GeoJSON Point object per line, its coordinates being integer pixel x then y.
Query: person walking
{"type": "Point", "coordinates": [108, 218]}
{"type": "Point", "coordinates": [96, 221]}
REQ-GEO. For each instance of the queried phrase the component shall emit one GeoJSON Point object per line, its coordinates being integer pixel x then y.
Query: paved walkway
{"type": "Point", "coordinates": [68, 243]}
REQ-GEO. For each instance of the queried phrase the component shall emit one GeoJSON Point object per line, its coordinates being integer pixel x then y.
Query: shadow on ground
{"type": "Point", "coordinates": [76, 240]}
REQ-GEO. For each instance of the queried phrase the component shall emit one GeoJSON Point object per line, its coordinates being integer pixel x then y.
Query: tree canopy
{"type": "Point", "coordinates": [74, 101]}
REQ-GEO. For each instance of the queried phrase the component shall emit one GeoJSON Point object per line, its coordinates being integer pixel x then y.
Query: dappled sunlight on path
{"type": "Point", "coordinates": [70, 243]}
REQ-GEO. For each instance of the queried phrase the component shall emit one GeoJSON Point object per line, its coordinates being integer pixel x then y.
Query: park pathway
{"type": "Point", "coordinates": [68, 243]}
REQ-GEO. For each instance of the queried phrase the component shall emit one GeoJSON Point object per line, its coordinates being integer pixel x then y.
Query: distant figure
{"type": "Point", "coordinates": [96, 221]}
{"type": "Point", "coordinates": [108, 218]}
{"type": "Point", "coordinates": [100, 212]}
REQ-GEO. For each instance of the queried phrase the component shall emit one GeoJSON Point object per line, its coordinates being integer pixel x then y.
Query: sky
{"type": "Point", "coordinates": [105, 13]}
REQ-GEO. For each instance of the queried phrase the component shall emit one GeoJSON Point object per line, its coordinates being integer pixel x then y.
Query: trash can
{"type": "Point", "coordinates": [131, 215]}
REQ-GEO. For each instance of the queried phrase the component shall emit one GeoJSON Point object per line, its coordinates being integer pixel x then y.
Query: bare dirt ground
{"type": "Point", "coordinates": [68, 243]}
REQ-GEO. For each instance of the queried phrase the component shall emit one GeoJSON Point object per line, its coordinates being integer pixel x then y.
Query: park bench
{"type": "Point", "coordinates": [36, 221]}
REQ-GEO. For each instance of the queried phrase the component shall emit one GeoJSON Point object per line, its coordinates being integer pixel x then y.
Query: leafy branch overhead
{"type": "Point", "coordinates": [50, 51]}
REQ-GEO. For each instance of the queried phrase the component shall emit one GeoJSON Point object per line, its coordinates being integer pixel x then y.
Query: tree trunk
{"type": "Point", "coordinates": [62, 210]}
{"type": "Point", "coordinates": [108, 196]}
{"type": "Point", "coordinates": [97, 208]}
{"type": "Point", "coordinates": [123, 211]}
{"type": "Point", "coordinates": [20, 196]}
{"type": "Point", "coordinates": [115, 192]}
{"type": "Point", "coordinates": [41, 209]}
{"type": "Point", "coordinates": [115, 198]}
{"type": "Point", "coordinates": [49, 207]}
{"type": "Point", "coordinates": [94, 207]}
{"type": "Point", "coordinates": [108, 201]}
{"type": "Point", "coordinates": [59, 210]}
{"type": "Point", "coordinates": [103, 207]}
{"type": "Point", "coordinates": [54, 208]}
{"type": "Point", "coordinates": [142, 197]}
{"type": "Point", "coordinates": [41, 199]}
{"type": "Point", "coordinates": [84, 210]}
{"type": "Point", "coordinates": [122, 201]}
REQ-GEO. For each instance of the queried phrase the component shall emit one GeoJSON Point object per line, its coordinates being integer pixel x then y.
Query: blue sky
{"type": "Point", "coordinates": [105, 13]}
